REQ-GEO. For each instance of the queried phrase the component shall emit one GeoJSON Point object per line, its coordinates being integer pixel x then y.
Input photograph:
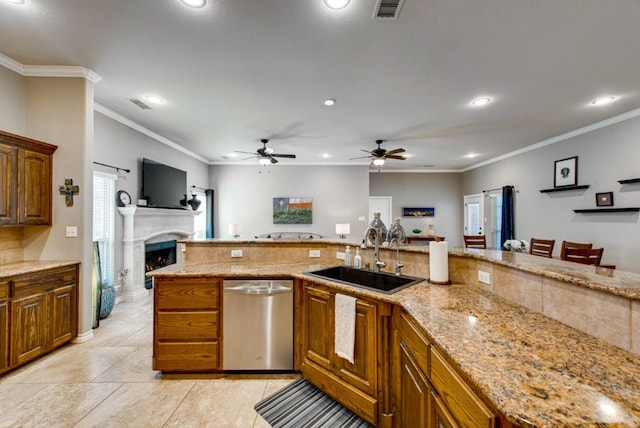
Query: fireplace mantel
{"type": "Point", "coordinates": [147, 225]}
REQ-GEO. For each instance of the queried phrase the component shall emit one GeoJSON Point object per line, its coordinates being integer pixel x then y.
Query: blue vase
{"type": "Point", "coordinates": [108, 300]}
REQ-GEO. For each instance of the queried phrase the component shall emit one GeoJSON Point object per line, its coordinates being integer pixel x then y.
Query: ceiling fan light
{"type": "Point", "coordinates": [378, 161]}
{"type": "Point", "coordinates": [264, 161]}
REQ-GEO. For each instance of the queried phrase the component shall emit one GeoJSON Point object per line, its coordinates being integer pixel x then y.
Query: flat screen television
{"type": "Point", "coordinates": [162, 185]}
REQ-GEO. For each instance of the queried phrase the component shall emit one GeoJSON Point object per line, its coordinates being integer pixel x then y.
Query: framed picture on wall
{"type": "Point", "coordinates": [604, 199]}
{"type": "Point", "coordinates": [418, 212]}
{"type": "Point", "coordinates": [566, 172]}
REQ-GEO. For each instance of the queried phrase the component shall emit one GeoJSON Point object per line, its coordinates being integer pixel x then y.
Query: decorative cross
{"type": "Point", "coordinates": [68, 190]}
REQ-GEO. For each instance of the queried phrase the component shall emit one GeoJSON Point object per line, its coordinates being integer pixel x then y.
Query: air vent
{"type": "Point", "coordinates": [388, 9]}
{"type": "Point", "coordinates": [140, 104]}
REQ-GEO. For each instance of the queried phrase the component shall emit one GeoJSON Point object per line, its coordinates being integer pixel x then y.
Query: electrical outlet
{"type": "Point", "coordinates": [339, 255]}
{"type": "Point", "coordinates": [484, 277]}
{"type": "Point", "coordinates": [236, 253]}
{"type": "Point", "coordinates": [72, 231]}
{"type": "Point", "coordinates": [314, 253]}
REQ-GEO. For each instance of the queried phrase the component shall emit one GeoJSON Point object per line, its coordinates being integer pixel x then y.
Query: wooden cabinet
{"type": "Point", "coordinates": [186, 327]}
{"type": "Point", "coordinates": [43, 312]}
{"type": "Point", "coordinates": [4, 325]}
{"type": "Point", "coordinates": [25, 180]}
{"type": "Point", "coordinates": [361, 386]}
{"type": "Point", "coordinates": [427, 391]}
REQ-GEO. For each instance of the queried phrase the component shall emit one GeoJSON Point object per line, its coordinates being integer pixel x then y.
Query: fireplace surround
{"type": "Point", "coordinates": [144, 226]}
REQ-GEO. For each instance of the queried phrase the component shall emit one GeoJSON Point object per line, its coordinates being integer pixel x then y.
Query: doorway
{"type": "Point", "coordinates": [474, 214]}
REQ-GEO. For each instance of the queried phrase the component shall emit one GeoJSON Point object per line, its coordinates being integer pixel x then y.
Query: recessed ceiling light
{"type": "Point", "coordinates": [327, 155]}
{"type": "Point", "coordinates": [329, 102]}
{"type": "Point", "coordinates": [336, 4]}
{"type": "Point", "coordinates": [154, 99]}
{"type": "Point", "coordinates": [481, 101]}
{"type": "Point", "coordinates": [15, 1]}
{"type": "Point", "coordinates": [195, 3]}
{"type": "Point", "coordinates": [603, 100]}
{"type": "Point", "coordinates": [471, 155]}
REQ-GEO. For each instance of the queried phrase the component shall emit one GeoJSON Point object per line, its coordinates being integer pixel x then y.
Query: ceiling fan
{"type": "Point", "coordinates": [379, 155]}
{"type": "Point", "coordinates": [266, 154]}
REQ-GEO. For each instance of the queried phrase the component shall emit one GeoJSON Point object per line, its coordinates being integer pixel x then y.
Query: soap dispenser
{"type": "Point", "coordinates": [357, 260]}
{"type": "Point", "coordinates": [347, 256]}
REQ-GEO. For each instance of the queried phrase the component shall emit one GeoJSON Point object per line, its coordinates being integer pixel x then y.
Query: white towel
{"type": "Point", "coordinates": [345, 326]}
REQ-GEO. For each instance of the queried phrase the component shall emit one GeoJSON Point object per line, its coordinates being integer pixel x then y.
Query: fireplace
{"type": "Point", "coordinates": [157, 255]}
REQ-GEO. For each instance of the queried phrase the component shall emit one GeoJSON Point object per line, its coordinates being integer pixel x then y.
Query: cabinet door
{"type": "Point", "coordinates": [317, 331]}
{"type": "Point", "coordinates": [35, 200]}
{"type": "Point", "coordinates": [4, 334]}
{"type": "Point", "coordinates": [29, 327]}
{"type": "Point", "coordinates": [8, 184]}
{"type": "Point", "coordinates": [362, 373]}
{"type": "Point", "coordinates": [413, 404]}
{"type": "Point", "coordinates": [441, 416]}
{"type": "Point", "coordinates": [63, 318]}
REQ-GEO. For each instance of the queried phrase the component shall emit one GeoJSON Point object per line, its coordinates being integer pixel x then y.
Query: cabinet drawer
{"type": "Point", "coordinates": [26, 285]}
{"type": "Point", "coordinates": [416, 342]}
{"type": "Point", "coordinates": [464, 405]}
{"type": "Point", "coordinates": [188, 293]}
{"type": "Point", "coordinates": [4, 290]}
{"type": "Point", "coordinates": [192, 356]}
{"type": "Point", "coordinates": [188, 325]}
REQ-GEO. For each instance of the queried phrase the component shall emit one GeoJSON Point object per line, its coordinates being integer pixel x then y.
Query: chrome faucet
{"type": "Point", "coordinates": [399, 265]}
{"type": "Point", "coordinates": [377, 263]}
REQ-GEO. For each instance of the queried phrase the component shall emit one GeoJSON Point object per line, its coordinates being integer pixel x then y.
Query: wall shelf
{"type": "Point", "coordinates": [608, 210]}
{"type": "Point", "coordinates": [561, 189]}
{"type": "Point", "coordinates": [629, 181]}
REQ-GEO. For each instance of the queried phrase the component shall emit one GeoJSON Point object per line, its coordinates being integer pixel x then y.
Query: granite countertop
{"type": "Point", "coordinates": [20, 268]}
{"type": "Point", "coordinates": [537, 371]}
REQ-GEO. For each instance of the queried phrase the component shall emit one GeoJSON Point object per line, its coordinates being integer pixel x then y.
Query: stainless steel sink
{"type": "Point", "coordinates": [379, 281]}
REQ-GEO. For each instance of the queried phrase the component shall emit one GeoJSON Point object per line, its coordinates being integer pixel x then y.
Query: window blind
{"type": "Point", "coordinates": [104, 207]}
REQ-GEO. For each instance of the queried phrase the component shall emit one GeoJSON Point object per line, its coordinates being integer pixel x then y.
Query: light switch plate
{"type": "Point", "coordinates": [236, 253]}
{"type": "Point", "coordinates": [339, 255]}
{"type": "Point", "coordinates": [314, 253]}
{"type": "Point", "coordinates": [484, 277]}
{"type": "Point", "coordinates": [72, 231]}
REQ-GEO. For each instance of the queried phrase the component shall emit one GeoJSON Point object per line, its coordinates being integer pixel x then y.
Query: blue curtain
{"type": "Point", "coordinates": [508, 225]}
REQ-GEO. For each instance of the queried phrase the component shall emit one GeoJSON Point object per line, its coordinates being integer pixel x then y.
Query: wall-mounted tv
{"type": "Point", "coordinates": [162, 185]}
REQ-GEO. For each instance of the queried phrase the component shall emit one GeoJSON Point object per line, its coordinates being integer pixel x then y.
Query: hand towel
{"type": "Point", "coordinates": [345, 326]}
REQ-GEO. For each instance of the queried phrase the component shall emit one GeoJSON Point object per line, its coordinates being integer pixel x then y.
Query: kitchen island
{"type": "Point", "coordinates": [526, 368]}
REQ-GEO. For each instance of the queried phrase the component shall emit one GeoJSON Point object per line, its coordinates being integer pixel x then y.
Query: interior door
{"type": "Point", "coordinates": [381, 204]}
{"type": "Point", "coordinates": [474, 214]}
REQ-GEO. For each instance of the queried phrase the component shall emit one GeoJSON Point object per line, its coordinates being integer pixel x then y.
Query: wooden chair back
{"type": "Point", "coordinates": [568, 244]}
{"type": "Point", "coordinates": [475, 241]}
{"type": "Point", "coordinates": [587, 256]}
{"type": "Point", "coordinates": [541, 247]}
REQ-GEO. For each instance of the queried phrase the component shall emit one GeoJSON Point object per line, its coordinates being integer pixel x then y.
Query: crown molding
{"type": "Point", "coordinates": [141, 129]}
{"type": "Point", "coordinates": [49, 70]}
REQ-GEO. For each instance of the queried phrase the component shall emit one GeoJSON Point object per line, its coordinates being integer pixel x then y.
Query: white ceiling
{"type": "Point", "coordinates": [237, 71]}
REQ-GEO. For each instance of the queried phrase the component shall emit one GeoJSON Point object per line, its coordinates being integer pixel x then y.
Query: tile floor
{"type": "Point", "coordinates": [108, 382]}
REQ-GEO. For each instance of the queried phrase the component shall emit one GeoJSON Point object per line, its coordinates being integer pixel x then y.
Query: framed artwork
{"type": "Point", "coordinates": [418, 212]}
{"type": "Point", "coordinates": [566, 172]}
{"type": "Point", "coordinates": [292, 210]}
{"type": "Point", "coordinates": [604, 199]}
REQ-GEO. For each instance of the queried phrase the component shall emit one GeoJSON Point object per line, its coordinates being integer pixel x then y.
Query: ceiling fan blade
{"type": "Point", "coordinates": [273, 160]}
{"type": "Point", "coordinates": [280, 155]}
{"type": "Point", "coordinates": [361, 157]}
{"type": "Point", "coordinates": [399, 157]}
{"type": "Point", "coordinates": [366, 151]}
{"type": "Point", "coordinates": [250, 157]}
{"type": "Point", "coordinates": [394, 151]}
{"type": "Point", "coordinates": [248, 153]}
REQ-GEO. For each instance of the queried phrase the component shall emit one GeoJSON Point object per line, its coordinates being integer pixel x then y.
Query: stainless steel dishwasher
{"type": "Point", "coordinates": [257, 325]}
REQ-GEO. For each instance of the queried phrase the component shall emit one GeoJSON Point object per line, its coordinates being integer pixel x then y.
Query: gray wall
{"type": "Point", "coordinates": [244, 195]}
{"type": "Point", "coordinates": [605, 156]}
{"type": "Point", "coordinates": [121, 146]}
{"type": "Point", "coordinates": [12, 101]}
{"type": "Point", "coordinates": [442, 191]}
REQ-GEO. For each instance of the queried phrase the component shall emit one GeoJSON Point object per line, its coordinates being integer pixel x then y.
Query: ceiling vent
{"type": "Point", "coordinates": [140, 104]}
{"type": "Point", "coordinates": [388, 9]}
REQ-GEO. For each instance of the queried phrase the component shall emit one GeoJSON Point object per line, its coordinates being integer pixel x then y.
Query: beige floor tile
{"type": "Point", "coordinates": [223, 403]}
{"type": "Point", "coordinates": [135, 367]}
{"type": "Point", "coordinates": [138, 405]}
{"type": "Point", "coordinates": [11, 395]}
{"type": "Point", "coordinates": [58, 405]}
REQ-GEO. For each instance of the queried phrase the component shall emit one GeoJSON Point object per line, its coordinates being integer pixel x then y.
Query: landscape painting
{"type": "Point", "coordinates": [418, 212]}
{"type": "Point", "coordinates": [292, 210]}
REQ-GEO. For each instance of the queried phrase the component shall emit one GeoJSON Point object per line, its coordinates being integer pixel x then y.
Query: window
{"type": "Point", "coordinates": [200, 221]}
{"type": "Point", "coordinates": [104, 208]}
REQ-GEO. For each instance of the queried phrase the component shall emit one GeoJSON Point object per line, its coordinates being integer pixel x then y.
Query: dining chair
{"type": "Point", "coordinates": [475, 241]}
{"type": "Point", "coordinates": [541, 247]}
{"type": "Point", "coordinates": [569, 244]}
{"type": "Point", "coordinates": [587, 256]}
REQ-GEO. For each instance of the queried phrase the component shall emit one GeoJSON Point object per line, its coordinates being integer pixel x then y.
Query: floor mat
{"type": "Point", "coordinates": [301, 404]}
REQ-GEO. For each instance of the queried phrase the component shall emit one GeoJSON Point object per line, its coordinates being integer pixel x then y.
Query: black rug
{"type": "Point", "coordinates": [301, 404]}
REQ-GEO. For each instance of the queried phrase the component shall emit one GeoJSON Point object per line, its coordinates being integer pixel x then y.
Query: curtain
{"type": "Point", "coordinates": [210, 214]}
{"type": "Point", "coordinates": [508, 225]}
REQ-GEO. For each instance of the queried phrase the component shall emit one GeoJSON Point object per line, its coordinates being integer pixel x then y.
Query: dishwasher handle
{"type": "Point", "coordinates": [258, 288]}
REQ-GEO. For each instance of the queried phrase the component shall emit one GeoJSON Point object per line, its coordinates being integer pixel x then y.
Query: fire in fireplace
{"type": "Point", "coordinates": [157, 255]}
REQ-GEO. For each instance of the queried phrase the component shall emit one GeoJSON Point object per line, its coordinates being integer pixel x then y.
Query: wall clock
{"type": "Point", "coordinates": [123, 198]}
